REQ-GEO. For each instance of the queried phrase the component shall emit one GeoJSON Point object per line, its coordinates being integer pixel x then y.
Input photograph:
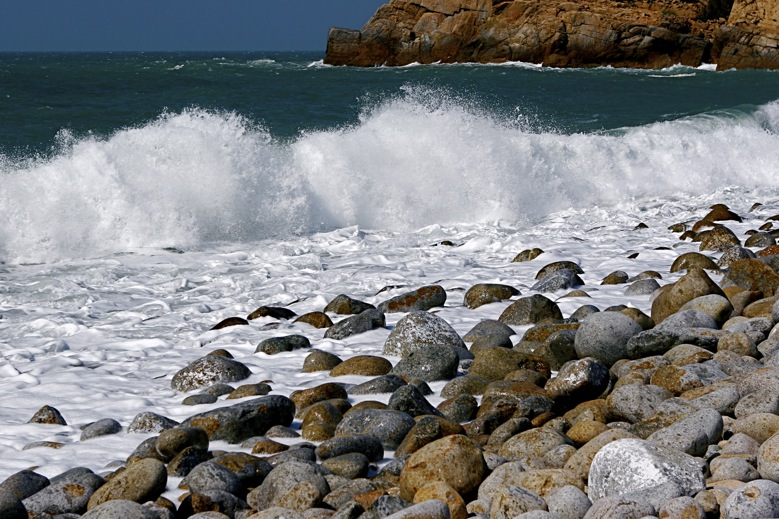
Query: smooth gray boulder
{"type": "Point", "coordinates": [604, 336]}
{"type": "Point", "coordinates": [365, 321]}
{"type": "Point", "coordinates": [435, 362]}
{"type": "Point", "coordinates": [692, 434]}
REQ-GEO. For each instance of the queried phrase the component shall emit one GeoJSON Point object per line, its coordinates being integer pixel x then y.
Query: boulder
{"type": "Point", "coordinates": [238, 422]}
{"type": "Point", "coordinates": [422, 299]}
{"type": "Point", "coordinates": [209, 370]}
{"type": "Point", "coordinates": [416, 331]}
{"type": "Point", "coordinates": [485, 293]}
{"type": "Point", "coordinates": [604, 336]}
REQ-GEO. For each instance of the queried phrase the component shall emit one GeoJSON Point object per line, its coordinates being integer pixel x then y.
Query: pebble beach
{"type": "Point", "coordinates": [604, 362]}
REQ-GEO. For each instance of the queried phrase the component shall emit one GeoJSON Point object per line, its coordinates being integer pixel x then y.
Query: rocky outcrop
{"type": "Point", "coordinates": [561, 33]}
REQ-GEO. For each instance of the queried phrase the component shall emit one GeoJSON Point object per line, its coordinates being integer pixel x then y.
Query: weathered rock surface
{"type": "Point", "coordinates": [740, 34]}
{"type": "Point", "coordinates": [241, 421]}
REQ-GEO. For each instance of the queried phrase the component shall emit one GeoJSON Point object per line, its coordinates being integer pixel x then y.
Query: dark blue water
{"type": "Point", "coordinates": [289, 93]}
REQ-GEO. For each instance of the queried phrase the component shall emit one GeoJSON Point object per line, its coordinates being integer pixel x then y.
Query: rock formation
{"type": "Point", "coordinates": [562, 33]}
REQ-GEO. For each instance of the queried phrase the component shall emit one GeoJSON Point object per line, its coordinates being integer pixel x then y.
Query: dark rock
{"type": "Point", "coordinates": [461, 408]}
{"type": "Point", "coordinates": [752, 274]}
{"type": "Point", "coordinates": [368, 445]}
{"type": "Point", "coordinates": [422, 299]}
{"type": "Point", "coordinates": [690, 260]}
{"type": "Point", "coordinates": [496, 363]}
{"type": "Point", "coordinates": [235, 423]}
{"type": "Point", "coordinates": [274, 312]}
{"type": "Point", "coordinates": [527, 255]}
{"type": "Point", "coordinates": [558, 280]}
{"type": "Point", "coordinates": [410, 400]}
{"type": "Point", "coordinates": [557, 266]}
{"type": "Point", "coordinates": [485, 293]}
{"type": "Point", "coordinates": [488, 328]}
{"type": "Point", "coordinates": [327, 391]}
{"type": "Point", "coordinates": [210, 476]}
{"type": "Point", "coordinates": [297, 485]}
{"type": "Point", "coordinates": [281, 344]}
{"type": "Point", "coordinates": [578, 381]}
{"type": "Point", "coordinates": [68, 493]}
{"type": "Point", "coordinates": [202, 398]}
{"type": "Point", "coordinates": [230, 321]}
{"type": "Point", "coordinates": [351, 465]}
{"type": "Point", "coordinates": [23, 484]}
{"type": "Point", "coordinates": [383, 384]}
{"type": "Point", "coordinates": [345, 305]}
{"type": "Point", "coordinates": [530, 310]}
{"type": "Point", "coordinates": [433, 363]}
{"type": "Point", "coordinates": [319, 360]}
{"type": "Point", "coordinates": [470, 384]}
{"type": "Point", "coordinates": [604, 336]}
{"type": "Point", "coordinates": [617, 277]}
{"type": "Point", "coordinates": [102, 427]}
{"type": "Point", "coordinates": [315, 319]}
{"type": "Point", "coordinates": [360, 323]}
{"type": "Point", "coordinates": [388, 426]}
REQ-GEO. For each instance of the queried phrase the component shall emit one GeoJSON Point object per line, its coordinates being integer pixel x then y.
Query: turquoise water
{"type": "Point", "coordinates": [102, 152]}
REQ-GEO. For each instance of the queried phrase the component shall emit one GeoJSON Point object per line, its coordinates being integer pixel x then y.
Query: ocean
{"type": "Point", "coordinates": [145, 197]}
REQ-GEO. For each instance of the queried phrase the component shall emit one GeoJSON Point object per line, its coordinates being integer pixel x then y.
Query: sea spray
{"type": "Point", "coordinates": [200, 176]}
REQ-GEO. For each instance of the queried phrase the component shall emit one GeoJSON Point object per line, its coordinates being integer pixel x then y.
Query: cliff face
{"type": "Point", "coordinates": [561, 33]}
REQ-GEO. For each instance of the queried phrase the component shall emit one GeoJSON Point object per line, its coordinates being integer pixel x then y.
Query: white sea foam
{"type": "Point", "coordinates": [422, 158]}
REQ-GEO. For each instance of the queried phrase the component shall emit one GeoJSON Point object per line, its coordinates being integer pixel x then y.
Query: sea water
{"type": "Point", "coordinates": [145, 197]}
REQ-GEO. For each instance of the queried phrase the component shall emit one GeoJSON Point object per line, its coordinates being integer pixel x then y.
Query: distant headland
{"type": "Point", "coordinates": [561, 33]}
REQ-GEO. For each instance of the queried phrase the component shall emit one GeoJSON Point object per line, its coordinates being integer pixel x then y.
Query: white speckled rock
{"type": "Point", "coordinates": [632, 465]}
{"type": "Point", "coordinates": [757, 499]}
{"type": "Point", "coordinates": [418, 330]}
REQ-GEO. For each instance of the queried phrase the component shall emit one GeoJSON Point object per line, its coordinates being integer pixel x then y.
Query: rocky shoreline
{"type": "Point", "coordinates": [607, 412]}
{"type": "Point", "coordinates": [635, 33]}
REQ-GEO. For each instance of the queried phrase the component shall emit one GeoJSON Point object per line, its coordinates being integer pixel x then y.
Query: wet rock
{"type": "Point", "coordinates": [487, 329]}
{"type": "Point", "coordinates": [186, 460]}
{"type": "Point", "coordinates": [604, 336]}
{"type": "Point", "coordinates": [752, 274]}
{"type": "Point", "coordinates": [759, 498]}
{"type": "Point", "coordinates": [315, 319]}
{"type": "Point", "coordinates": [470, 384]}
{"type": "Point", "coordinates": [760, 239]}
{"type": "Point", "coordinates": [149, 422]}
{"type": "Point", "coordinates": [355, 325]}
{"type": "Point", "coordinates": [496, 363]}
{"type": "Point", "coordinates": [435, 362]}
{"type": "Point", "coordinates": [102, 427]}
{"type": "Point", "coordinates": [345, 305]}
{"type": "Point", "coordinates": [578, 381]}
{"type": "Point", "coordinates": [631, 465]}
{"type": "Point", "coordinates": [388, 426]}
{"type": "Point", "coordinates": [276, 345]}
{"type": "Point", "coordinates": [251, 470]}
{"type": "Point", "coordinates": [209, 370]}
{"type": "Point", "coordinates": [274, 312]}
{"type": "Point", "coordinates": [11, 507]}
{"type": "Point", "coordinates": [455, 460]}
{"type": "Point", "coordinates": [719, 238]}
{"type": "Point", "coordinates": [48, 415]}
{"type": "Point", "coordinates": [734, 254]}
{"type": "Point", "coordinates": [221, 504]}
{"type": "Point", "coordinates": [694, 284]}
{"type": "Point", "coordinates": [366, 365]}
{"type": "Point", "coordinates": [294, 484]}
{"type": "Point", "coordinates": [461, 408]}
{"type": "Point", "coordinates": [485, 293]}
{"type": "Point", "coordinates": [351, 465]}
{"type": "Point", "coordinates": [172, 441]}
{"type": "Point", "coordinates": [319, 360]}
{"type": "Point", "coordinates": [527, 255]}
{"type": "Point", "coordinates": [416, 331]}
{"type": "Point", "coordinates": [68, 493]}
{"type": "Point", "coordinates": [230, 321]}
{"type": "Point", "coordinates": [370, 446]}
{"type": "Point", "coordinates": [530, 310]}
{"type": "Point", "coordinates": [617, 277]}
{"type": "Point", "coordinates": [236, 423]}
{"type": "Point", "coordinates": [384, 384]}
{"type": "Point", "coordinates": [141, 481]}
{"type": "Point", "coordinates": [558, 280]}
{"type": "Point", "coordinates": [247, 390]}
{"type": "Point", "coordinates": [327, 391]}
{"type": "Point", "coordinates": [199, 399]}
{"type": "Point", "coordinates": [690, 260]}
{"type": "Point", "coordinates": [422, 299]}
{"type": "Point", "coordinates": [659, 341]}
{"type": "Point", "coordinates": [557, 266]}
{"type": "Point", "coordinates": [410, 400]}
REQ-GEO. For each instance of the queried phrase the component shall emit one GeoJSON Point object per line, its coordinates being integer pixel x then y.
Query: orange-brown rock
{"type": "Point", "coordinates": [561, 33]}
